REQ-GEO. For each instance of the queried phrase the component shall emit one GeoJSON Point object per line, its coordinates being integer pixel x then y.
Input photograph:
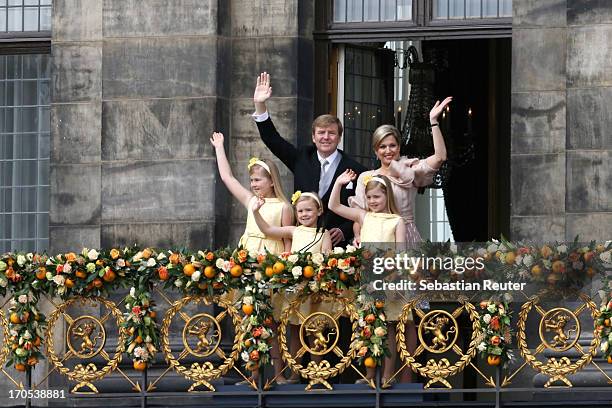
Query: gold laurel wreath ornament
{"type": "Point", "coordinates": [85, 374]}
{"type": "Point", "coordinates": [202, 373]}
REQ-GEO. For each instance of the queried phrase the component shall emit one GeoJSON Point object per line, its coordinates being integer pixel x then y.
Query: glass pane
{"type": "Point", "coordinates": [30, 19]}
{"type": "Point", "coordinates": [43, 2]}
{"type": "Point", "coordinates": [29, 120]}
{"type": "Point", "coordinates": [6, 199]}
{"type": "Point", "coordinates": [5, 226]}
{"type": "Point", "coordinates": [440, 9]}
{"type": "Point", "coordinates": [14, 19]}
{"type": "Point", "coordinates": [6, 147]}
{"type": "Point", "coordinates": [30, 2]}
{"type": "Point", "coordinates": [30, 66]}
{"type": "Point", "coordinates": [355, 10]}
{"type": "Point", "coordinates": [25, 173]}
{"type": "Point", "coordinates": [13, 66]}
{"type": "Point", "coordinates": [30, 92]}
{"type": "Point", "coordinates": [506, 8]}
{"type": "Point", "coordinates": [12, 91]}
{"type": "Point", "coordinates": [43, 199]}
{"type": "Point", "coordinates": [370, 10]}
{"type": "Point", "coordinates": [387, 10]}
{"type": "Point", "coordinates": [26, 146]}
{"type": "Point", "coordinates": [339, 11]}
{"type": "Point", "coordinates": [404, 9]}
{"type": "Point", "coordinates": [2, 19]}
{"type": "Point", "coordinates": [45, 19]}
{"type": "Point", "coordinates": [7, 120]}
{"type": "Point", "coordinates": [43, 172]}
{"type": "Point", "coordinates": [6, 174]}
{"type": "Point", "coordinates": [472, 8]}
{"type": "Point", "coordinates": [15, 2]}
{"type": "Point", "coordinates": [42, 245]}
{"type": "Point", "coordinates": [42, 225]}
{"type": "Point", "coordinates": [489, 8]}
{"type": "Point", "coordinates": [24, 199]}
{"type": "Point", "coordinates": [457, 9]}
{"type": "Point", "coordinates": [43, 145]}
{"type": "Point", "coordinates": [24, 225]}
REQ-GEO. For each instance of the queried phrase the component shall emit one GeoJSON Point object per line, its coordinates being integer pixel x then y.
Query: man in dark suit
{"type": "Point", "coordinates": [314, 167]}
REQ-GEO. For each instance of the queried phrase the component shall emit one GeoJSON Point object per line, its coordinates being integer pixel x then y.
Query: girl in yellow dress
{"type": "Point", "coordinates": [305, 237]}
{"type": "Point", "coordinates": [381, 223]}
{"type": "Point", "coordinates": [275, 209]}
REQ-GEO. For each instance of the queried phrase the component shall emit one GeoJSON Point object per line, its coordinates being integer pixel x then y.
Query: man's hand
{"type": "Point", "coordinates": [336, 236]}
{"type": "Point", "coordinates": [263, 90]}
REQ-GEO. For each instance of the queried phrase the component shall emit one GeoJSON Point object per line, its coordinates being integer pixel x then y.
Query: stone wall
{"type": "Point", "coordinates": [561, 145]}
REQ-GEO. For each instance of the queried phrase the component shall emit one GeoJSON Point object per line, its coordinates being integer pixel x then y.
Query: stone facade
{"type": "Point", "coordinates": [560, 158]}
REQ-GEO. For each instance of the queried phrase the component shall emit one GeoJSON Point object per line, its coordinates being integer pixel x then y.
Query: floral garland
{"type": "Point", "coordinates": [254, 277]}
{"type": "Point", "coordinates": [496, 336]}
{"type": "Point", "coordinates": [371, 342]}
{"type": "Point", "coordinates": [603, 326]}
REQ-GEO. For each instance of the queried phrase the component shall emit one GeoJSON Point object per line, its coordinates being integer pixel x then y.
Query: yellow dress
{"type": "Point", "coordinates": [253, 240]}
{"type": "Point", "coordinates": [380, 228]}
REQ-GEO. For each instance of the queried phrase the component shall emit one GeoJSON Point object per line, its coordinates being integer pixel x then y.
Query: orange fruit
{"type": "Point", "coordinates": [140, 365]}
{"type": "Point", "coordinates": [236, 271]}
{"type": "Point", "coordinates": [81, 274]}
{"type": "Point", "coordinates": [278, 267]}
{"type": "Point", "coordinates": [369, 362]}
{"type": "Point", "coordinates": [607, 322]}
{"type": "Point", "coordinates": [69, 283]}
{"type": "Point", "coordinates": [536, 270]}
{"type": "Point", "coordinates": [380, 304]}
{"type": "Point", "coordinates": [248, 343]}
{"type": "Point", "coordinates": [152, 314]}
{"type": "Point", "coordinates": [558, 267]}
{"type": "Point", "coordinates": [610, 359]}
{"type": "Point", "coordinates": [97, 282]}
{"type": "Point", "coordinates": [308, 272]}
{"type": "Point", "coordinates": [202, 285]}
{"type": "Point", "coordinates": [590, 272]}
{"type": "Point", "coordinates": [247, 309]}
{"type": "Point", "coordinates": [343, 276]}
{"type": "Point", "coordinates": [210, 272]}
{"type": "Point", "coordinates": [174, 258]}
{"type": "Point", "coordinates": [41, 273]}
{"type": "Point", "coordinates": [163, 273]}
{"type": "Point", "coordinates": [510, 258]}
{"type": "Point", "coordinates": [138, 340]}
{"type": "Point", "coordinates": [493, 360]}
{"type": "Point", "coordinates": [15, 318]}
{"type": "Point", "coordinates": [146, 254]}
{"type": "Point", "coordinates": [370, 318]}
{"type": "Point", "coordinates": [36, 342]}
{"type": "Point", "coordinates": [25, 317]}
{"type": "Point", "coordinates": [20, 367]}
{"type": "Point", "coordinates": [32, 360]}
{"type": "Point", "coordinates": [269, 272]}
{"type": "Point", "coordinates": [189, 269]}
{"type": "Point", "coordinates": [109, 276]}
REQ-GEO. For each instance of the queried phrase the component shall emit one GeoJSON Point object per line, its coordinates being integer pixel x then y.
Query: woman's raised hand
{"type": "Point", "coordinates": [346, 177]}
{"type": "Point", "coordinates": [438, 108]}
{"type": "Point", "coordinates": [217, 139]}
{"type": "Point", "coordinates": [263, 90]}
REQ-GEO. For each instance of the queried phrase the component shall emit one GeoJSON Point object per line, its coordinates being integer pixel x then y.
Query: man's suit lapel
{"type": "Point", "coordinates": [315, 171]}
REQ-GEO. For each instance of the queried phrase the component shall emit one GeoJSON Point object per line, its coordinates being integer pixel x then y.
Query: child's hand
{"type": "Point", "coordinates": [217, 139]}
{"type": "Point", "coordinates": [263, 90]}
{"type": "Point", "coordinates": [346, 177]}
{"type": "Point", "coordinates": [257, 204]}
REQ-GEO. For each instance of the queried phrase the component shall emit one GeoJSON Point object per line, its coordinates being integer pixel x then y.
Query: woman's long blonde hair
{"type": "Point", "coordinates": [388, 192]}
{"type": "Point", "coordinates": [274, 176]}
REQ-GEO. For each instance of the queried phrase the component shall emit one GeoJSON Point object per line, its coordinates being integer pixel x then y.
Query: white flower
{"type": "Point", "coordinates": [562, 249]}
{"type": "Point", "coordinates": [49, 262]}
{"type": "Point", "coordinates": [481, 252]}
{"type": "Point", "coordinates": [296, 271]}
{"type": "Point", "coordinates": [161, 256]}
{"type": "Point", "coordinates": [350, 249]}
{"type": "Point", "coordinates": [313, 285]}
{"type": "Point", "coordinates": [492, 308]}
{"type": "Point", "coordinates": [486, 318]}
{"type": "Point", "coordinates": [21, 260]}
{"type": "Point", "coordinates": [248, 288]}
{"type": "Point", "coordinates": [293, 258]}
{"type": "Point", "coordinates": [59, 280]}
{"type": "Point", "coordinates": [338, 250]}
{"type": "Point", "coordinates": [245, 356]}
{"type": "Point", "coordinates": [606, 256]}
{"type": "Point", "coordinates": [3, 282]}
{"type": "Point", "coordinates": [23, 299]}
{"type": "Point", "coordinates": [247, 300]}
{"type": "Point", "coordinates": [382, 317]}
{"type": "Point", "coordinates": [453, 248]}
{"type": "Point", "coordinates": [376, 350]}
{"type": "Point", "coordinates": [482, 346]}
{"type": "Point", "coordinates": [27, 335]}
{"type": "Point", "coordinates": [318, 258]}
{"type": "Point", "coordinates": [67, 268]}
{"type": "Point", "coordinates": [141, 353]}
{"type": "Point", "coordinates": [13, 333]}
{"type": "Point", "coordinates": [265, 334]}
{"type": "Point", "coordinates": [362, 322]}
{"type": "Point", "coordinates": [501, 310]}
{"type": "Point", "coordinates": [196, 276]}
{"type": "Point", "coordinates": [604, 346]}
{"type": "Point", "coordinates": [151, 262]}
{"type": "Point", "coordinates": [492, 248]}
{"type": "Point", "coordinates": [226, 266]}
{"type": "Point", "coordinates": [30, 256]}
{"type": "Point", "coordinates": [12, 302]}
{"type": "Point", "coordinates": [518, 260]}
{"type": "Point", "coordinates": [258, 276]}
{"type": "Point", "coordinates": [178, 283]}
{"type": "Point", "coordinates": [148, 339]}
{"type": "Point", "coordinates": [133, 292]}
{"type": "Point", "coordinates": [380, 331]}
{"type": "Point", "coordinates": [219, 263]}
{"type": "Point", "coordinates": [120, 263]}
{"type": "Point", "coordinates": [93, 255]}
{"type": "Point", "coordinates": [528, 260]}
